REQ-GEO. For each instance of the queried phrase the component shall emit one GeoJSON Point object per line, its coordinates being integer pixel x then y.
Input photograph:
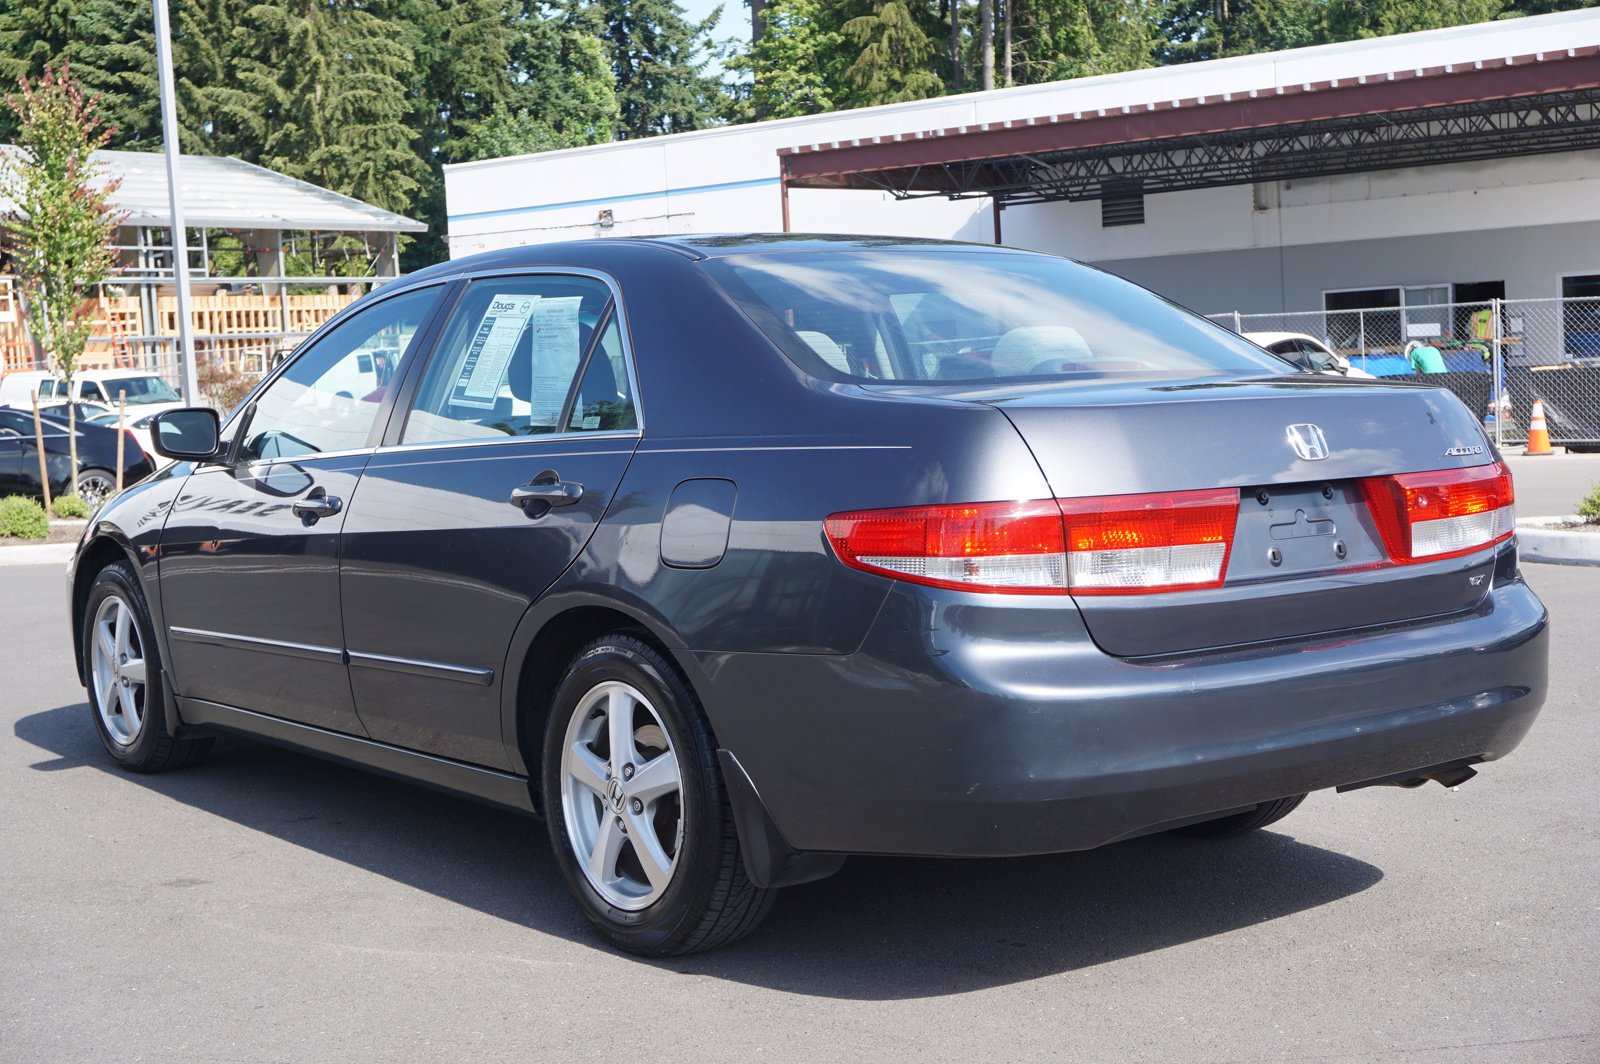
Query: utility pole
{"type": "Point", "coordinates": [180, 241]}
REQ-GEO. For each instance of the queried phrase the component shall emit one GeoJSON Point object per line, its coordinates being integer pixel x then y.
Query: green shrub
{"type": "Point", "coordinates": [70, 506]}
{"type": "Point", "coordinates": [1589, 505]}
{"type": "Point", "coordinates": [23, 518]}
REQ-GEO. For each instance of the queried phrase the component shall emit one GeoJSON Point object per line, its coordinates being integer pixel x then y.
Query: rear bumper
{"type": "Point", "coordinates": [975, 726]}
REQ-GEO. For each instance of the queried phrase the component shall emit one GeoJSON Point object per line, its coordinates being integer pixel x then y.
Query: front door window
{"type": "Point", "coordinates": [328, 399]}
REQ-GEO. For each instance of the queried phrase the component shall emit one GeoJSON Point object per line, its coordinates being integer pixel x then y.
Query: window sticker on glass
{"type": "Point", "coordinates": [556, 350]}
{"type": "Point", "coordinates": [484, 368]}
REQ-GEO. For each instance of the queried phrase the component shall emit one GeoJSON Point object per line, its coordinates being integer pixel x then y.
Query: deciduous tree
{"type": "Point", "coordinates": [64, 224]}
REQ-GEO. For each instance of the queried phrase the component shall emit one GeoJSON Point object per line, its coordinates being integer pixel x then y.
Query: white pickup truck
{"type": "Point", "coordinates": [145, 392]}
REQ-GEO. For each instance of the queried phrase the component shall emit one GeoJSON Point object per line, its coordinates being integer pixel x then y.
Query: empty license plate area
{"type": "Point", "coordinates": [1293, 529]}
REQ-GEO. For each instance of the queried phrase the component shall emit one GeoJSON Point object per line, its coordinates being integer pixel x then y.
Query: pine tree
{"type": "Point", "coordinates": [792, 62]}
{"type": "Point", "coordinates": [1059, 39]}
{"type": "Point", "coordinates": [896, 55]}
{"type": "Point", "coordinates": [99, 39]}
{"type": "Point", "coordinates": [657, 61]}
{"type": "Point", "coordinates": [1355, 19]}
{"type": "Point", "coordinates": [327, 77]}
{"type": "Point", "coordinates": [560, 77]}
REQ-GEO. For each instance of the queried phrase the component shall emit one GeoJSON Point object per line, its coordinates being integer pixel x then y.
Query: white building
{"type": "Point", "coordinates": [1454, 165]}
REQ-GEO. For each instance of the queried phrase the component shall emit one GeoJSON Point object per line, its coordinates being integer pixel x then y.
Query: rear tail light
{"type": "Point", "coordinates": [1442, 514]}
{"type": "Point", "coordinates": [1128, 544]}
{"type": "Point", "coordinates": [993, 546]}
{"type": "Point", "coordinates": [1112, 545]}
{"type": "Point", "coordinates": [131, 449]}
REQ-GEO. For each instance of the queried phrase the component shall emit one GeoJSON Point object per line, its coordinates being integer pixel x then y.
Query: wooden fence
{"type": "Point", "coordinates": [241, 331]}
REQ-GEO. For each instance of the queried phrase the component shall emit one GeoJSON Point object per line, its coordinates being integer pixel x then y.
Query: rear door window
{"type": "Point", "coordinates": [507, 362]}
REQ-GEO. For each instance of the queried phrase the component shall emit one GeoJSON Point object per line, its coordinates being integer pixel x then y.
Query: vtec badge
{"type": "Point", "coordinates": [1462, 452]}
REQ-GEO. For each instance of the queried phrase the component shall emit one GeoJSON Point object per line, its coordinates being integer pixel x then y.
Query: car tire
{"type": "Point", "coordinates": [95, 486]}
{"type": "Point", "coordinates": [656, 803]}
{"type": "Point", "coordinates": [122, 666]}
{"type": "Point", "coordinates": [1250, 820]}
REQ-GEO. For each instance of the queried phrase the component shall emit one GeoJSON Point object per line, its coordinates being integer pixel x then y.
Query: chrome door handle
{"type": "Point", "coordinates": [559, 493]}
{"type": "Point", "coordinates": [317, 503]}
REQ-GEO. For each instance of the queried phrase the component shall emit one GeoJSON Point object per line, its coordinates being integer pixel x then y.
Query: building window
{"type": "Point", "coordinates": [1388, 317]}
{"type": "Point", "coordinates": [1580, 315]}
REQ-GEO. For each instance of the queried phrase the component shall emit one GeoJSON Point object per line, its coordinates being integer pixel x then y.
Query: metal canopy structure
{"type": "Point", "coordinates": [226, 193]}
{"type": "Point", "coordinates": [1516, 105]}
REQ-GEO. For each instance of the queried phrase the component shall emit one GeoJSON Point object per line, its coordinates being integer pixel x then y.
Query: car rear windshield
{"type": "Point", "coordinates": [975, 316]}
{"type": "Point", "coordinates": [140, 390]}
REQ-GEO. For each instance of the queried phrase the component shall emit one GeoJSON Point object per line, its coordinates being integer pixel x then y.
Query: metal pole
{"type": "Point", "coordinates": [122, 435]}
{"type": "Point", "coordinates": [1497, 367]}
{"type": "Point", "coordinates": [180, 242]}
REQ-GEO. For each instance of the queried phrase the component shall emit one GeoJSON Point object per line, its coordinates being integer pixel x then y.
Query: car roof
{"type": "Point", "coordinates": [688, 246]}
{"type": "Point", "coordinates": [1262, 339]}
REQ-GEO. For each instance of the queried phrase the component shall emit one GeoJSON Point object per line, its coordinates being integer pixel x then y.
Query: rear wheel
{"type": "Point", "coordinates": [122, 665]}
{"type": "Point", "coordinates": [1249, 820]}
{"type": "Point", "coordinates": [95, 486]}
{"type": "Point", "coordinates": [636, 808]}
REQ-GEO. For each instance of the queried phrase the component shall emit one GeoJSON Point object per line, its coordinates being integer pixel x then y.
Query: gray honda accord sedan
{"type": "Point", "coordinates": [731, 556]}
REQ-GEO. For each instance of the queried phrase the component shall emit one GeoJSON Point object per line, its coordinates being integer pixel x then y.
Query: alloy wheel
{"type": "Point", "coordinates": [622, 795]}
{"type": "Point", "coordinates": [118, 671]}
{"type": "Point", "coordinates": [94, 489]}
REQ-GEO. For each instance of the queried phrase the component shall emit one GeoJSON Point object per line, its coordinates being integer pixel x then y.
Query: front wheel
{"type": "Point", "coordinates": [122, 665]}
{"type": "Point", "coordinates": [637, 811]}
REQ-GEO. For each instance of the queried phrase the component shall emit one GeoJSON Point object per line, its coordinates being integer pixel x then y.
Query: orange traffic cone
{"type": "Point", "coordinates": [1538, 434]}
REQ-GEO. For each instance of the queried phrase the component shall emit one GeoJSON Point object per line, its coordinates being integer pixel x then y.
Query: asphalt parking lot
{"type": "Point", "coordinates": [270, 907]}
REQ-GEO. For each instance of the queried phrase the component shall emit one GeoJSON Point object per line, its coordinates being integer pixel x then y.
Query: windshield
{"type": "Point", "coordinates": [963, 315]}
{"type": "Point", "coordinates": [145, 389]}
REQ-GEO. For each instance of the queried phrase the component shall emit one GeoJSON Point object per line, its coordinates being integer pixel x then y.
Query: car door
{"type": "Point", "coordinates": [249, 564]}
{"type": "Point", "coordinates": [13, 431]}
{"type": "Point", "coordinates": [519, 429]}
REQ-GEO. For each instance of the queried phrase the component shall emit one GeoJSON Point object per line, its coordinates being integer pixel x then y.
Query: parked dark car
{"type": "Point", "coordinates": [732, 556]}
{"type": "Point", "coordinates": [97, 457]}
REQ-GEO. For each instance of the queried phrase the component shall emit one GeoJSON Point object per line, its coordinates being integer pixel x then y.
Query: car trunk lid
{"type": "Point", "coordinates": [1307, 555]}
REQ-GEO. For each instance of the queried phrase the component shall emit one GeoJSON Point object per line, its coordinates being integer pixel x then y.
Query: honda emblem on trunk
{"type": "Point", "coordinates": [1308, 442]}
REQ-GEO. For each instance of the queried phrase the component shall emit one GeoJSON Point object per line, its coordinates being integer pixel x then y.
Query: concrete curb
{"type": "Point", "coordinates": [37, 554]}
{"type": "Point", "coordinates": [1555, 546]}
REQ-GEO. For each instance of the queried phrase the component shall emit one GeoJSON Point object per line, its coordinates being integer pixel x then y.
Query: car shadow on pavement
{"type": "Point", "coordinates": [882, 929]}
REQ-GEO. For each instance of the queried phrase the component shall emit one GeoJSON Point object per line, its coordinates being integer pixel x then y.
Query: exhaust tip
{"type": "Point", "coordinates": [1451, 774]}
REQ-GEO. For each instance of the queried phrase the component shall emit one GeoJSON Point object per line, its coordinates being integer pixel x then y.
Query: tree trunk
{"type": "Point", "coordinates": [986, 40]}
{"type": "Point", "coordinates": [757, 25]}
{"type": "Point", "coordinates": [955, 45]}
{"type": "Point", "coordinates": [1005, 70]}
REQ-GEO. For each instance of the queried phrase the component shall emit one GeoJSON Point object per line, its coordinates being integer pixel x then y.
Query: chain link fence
{"type": "Point", "coordinates": [1498, 356]}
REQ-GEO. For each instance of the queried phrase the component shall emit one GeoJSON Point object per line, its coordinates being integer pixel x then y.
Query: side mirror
{"type": "Point", "coordinates": [192, 433]}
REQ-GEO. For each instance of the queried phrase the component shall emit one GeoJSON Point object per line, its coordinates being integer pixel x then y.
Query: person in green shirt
{"type": "Point", "coordinates": [1425, 358]}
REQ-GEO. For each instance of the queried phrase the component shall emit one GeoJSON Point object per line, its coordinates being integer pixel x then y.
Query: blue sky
{"type": "Point", "coordinates": [735, 21]}
{"type": "Point", "coordinates": [735, 16]}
